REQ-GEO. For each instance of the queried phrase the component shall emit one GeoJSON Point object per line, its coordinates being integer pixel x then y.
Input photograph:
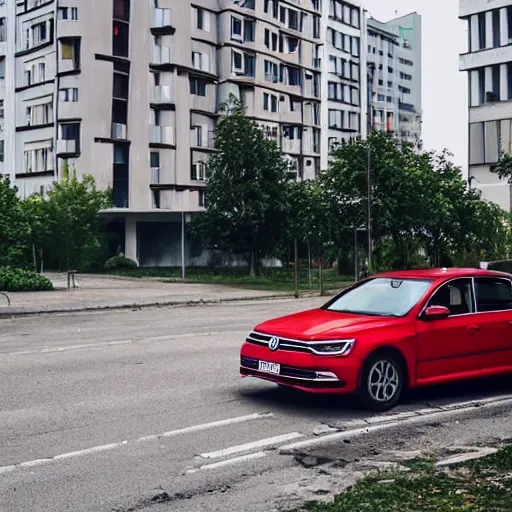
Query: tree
{"type": "Point", "coordinates": [504, 167]}
{"type": "Point", "coordinates": [397, 205]}
{"type": "Point", "coordinates": [67, 225]}
{"type": "Point", "coordinates": [246, 189]}
{"type": "Point", "coordinates": [14, 228]}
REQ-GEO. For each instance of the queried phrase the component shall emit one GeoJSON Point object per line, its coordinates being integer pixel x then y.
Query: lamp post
{"type": "Point", "coordinates": [370, 75]}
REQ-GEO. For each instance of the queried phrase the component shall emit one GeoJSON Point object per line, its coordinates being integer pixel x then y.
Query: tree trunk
{"type": "Point", "coordinates": [34, 256]}
{"type": "Point", "coordinates": [252, 271]}
{"type": "Point", "coordinates": [320, 276]}
{"type": "Point", "coordinates": [310, 281]}
{"type": "Point", "coordinates": [296, 269]}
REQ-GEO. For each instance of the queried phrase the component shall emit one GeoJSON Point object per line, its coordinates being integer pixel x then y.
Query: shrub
{"type": "Point", "coordinates": [502, 266]}
{"type": "Point", "coordinates": [120, 262]}
{"type": "Point", "coordinates": [19, 280]}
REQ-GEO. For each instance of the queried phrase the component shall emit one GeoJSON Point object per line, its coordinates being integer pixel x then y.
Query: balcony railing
{"type": "Point", "coordinates": [161, 55]}
{"type": "Point", "coordinates": [162, 18]}
{"type": "Point", "coordinates": [118, 131]}
{"type": "Point", "coordinates": [161, 135]}
{"type": "Point", "coordinates": [155, 175]}
{"type": "Point", "coordinates": [161, 94]}
{"type": "Point", "coordinates": [65, 146]}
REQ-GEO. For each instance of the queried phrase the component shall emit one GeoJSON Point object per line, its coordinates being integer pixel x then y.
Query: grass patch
{"type": "Point", "coordinates": [484, 485]}
{"type": "Point", "coordinates": [278, 279]}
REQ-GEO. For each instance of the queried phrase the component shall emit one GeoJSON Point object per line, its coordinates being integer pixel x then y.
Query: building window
{"type": "Point", "coordinates": [270, 102]}
{"type": "Point", "coordinates": [198, 171]}
{"type": "Point", "coordinates": [120, 39]}
{"type": "Point", "coordinates": [122, 10]}
{"type": "Point", "coordinates": [3, 30]}
{"type": "Point", "coordinates": [249, 30]}
{"type": "Point", "coordinates": [496, 30]}
{"type": "Point", "coordinates": [202, 198]}
{"type": "Point", "coordinates": [496, 75]}
{"type": "Point", "coordinates": [243, 63]}
{"type": "Point", "coordinates": [201, 18]}
{"type": "Point", "coordinates": [197, 86]}
{"type": "Point", "coordinates": [68, 94]}
{"type": "Point", "coordinates": [2, 150]}
{"type": "Point", "coordinates": [236, 28]}
{"type": "Point", "coordinates": [271, 72]}
{"type": "Point", "coordinates": [68, 13]}
{"type": "Point", "coordinates": [39, 114]}
{"type": "Point", "coordinates": [481, 31]}
{"type": "Point", "coordinates": [70, 50]}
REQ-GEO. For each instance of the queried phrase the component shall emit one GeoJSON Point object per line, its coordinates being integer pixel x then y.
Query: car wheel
{"type": "Point", "coordinates": [381, 383]}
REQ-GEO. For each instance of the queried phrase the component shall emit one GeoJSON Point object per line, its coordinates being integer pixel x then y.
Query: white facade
{"type": "Point", "coordinates": [488, 63]}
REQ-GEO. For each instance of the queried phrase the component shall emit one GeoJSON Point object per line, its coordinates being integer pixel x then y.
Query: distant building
{"type": "Point", "coordinates": [394, 75]}
{"type": "Point", "coordinates": [488, 64]}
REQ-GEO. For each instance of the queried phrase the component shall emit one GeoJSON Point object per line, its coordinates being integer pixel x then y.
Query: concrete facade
{"type": "Point", "coordinates": [488, 63]}
{"type": "Point", "coordinates": [129, 92]}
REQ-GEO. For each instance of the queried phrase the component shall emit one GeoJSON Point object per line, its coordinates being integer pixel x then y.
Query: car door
{"type": "Point", "coordinates": [449, 347]}
{"type": "Point", "coordinates": [494, 306]}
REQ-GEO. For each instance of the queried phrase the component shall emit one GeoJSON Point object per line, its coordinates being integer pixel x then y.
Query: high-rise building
{"type": "Point", "coordinates": [488, 63]}
{"type": "Point", "coordinates": [129, 92]}
{"type": "Point", "coordinates": [394, 65]}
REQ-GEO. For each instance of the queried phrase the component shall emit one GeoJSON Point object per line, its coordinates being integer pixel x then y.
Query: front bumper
{"type": "Point", "coordinates": [329, 375]}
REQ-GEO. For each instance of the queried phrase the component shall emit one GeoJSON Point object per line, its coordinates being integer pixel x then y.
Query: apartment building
{"type": "Point", "coordinates": [488, 63]}
{"type": "Point", "coordinates": [394, 75]}
{"type": "Point", "coordinates": [129, 92]}
{"type": "Point", "coordinates": [343, 75]}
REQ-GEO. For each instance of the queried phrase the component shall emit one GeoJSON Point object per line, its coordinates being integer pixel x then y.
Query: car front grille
{"type": "Point", "coordinates": [263, 340]}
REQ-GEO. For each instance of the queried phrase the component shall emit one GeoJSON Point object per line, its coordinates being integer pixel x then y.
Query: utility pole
{"type": "Point", "coordinates": [370, 75]}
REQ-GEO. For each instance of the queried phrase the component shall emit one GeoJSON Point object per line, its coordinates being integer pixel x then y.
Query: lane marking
{"type": "Point", "coordinates": [84, 346]}
{"type": "Point", "coordinates": [262, 443]}
{"type": "Point", "coordinates": [206, 426]}
{"type": "Point", "coordinates": [113, 446]}
{"type": "Point", "coordinates": [453, 410]}
{"type": "Point", "coordinates": [229, 462]}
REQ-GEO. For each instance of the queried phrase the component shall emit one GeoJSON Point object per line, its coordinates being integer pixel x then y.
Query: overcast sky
{"type": "Point", "coordinates": [444, 88]}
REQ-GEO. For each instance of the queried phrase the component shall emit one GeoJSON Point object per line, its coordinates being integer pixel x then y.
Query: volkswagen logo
{"type": "Point", "coordinates": [273, 344]}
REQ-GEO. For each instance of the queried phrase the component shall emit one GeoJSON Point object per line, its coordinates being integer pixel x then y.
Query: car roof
{"type": "Point", "coordinates": [442, 273]}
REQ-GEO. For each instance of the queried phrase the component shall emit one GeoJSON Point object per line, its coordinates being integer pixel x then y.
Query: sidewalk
{"type": "Point", "coordinates": [96, 292]}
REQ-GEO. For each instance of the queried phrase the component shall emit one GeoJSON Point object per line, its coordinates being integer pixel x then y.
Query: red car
{"type": "Point", "coordinates": [389, 333]}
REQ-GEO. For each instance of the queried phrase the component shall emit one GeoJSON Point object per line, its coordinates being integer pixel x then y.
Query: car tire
{"type": "Point", "coordinates": [381, 382]}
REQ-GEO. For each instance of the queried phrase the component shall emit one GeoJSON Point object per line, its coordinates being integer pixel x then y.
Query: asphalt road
{"type": "Point", "coordinates": [119, 411]}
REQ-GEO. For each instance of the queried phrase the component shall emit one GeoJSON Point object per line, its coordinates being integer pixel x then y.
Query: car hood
{"type": "Point", "coordinates": [323, 324]}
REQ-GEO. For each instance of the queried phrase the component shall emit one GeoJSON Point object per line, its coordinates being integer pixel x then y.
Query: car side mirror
{"type": "Point", "coordinates": [436, 313]}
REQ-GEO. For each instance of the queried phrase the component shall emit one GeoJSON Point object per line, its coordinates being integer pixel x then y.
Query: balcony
{"type": "Point", "coordinates": [161, 94]}
{"type": "Point", "coordinates": [161, 135]}
{"type": "Point", "coordinates": [290, 146]}
{"type": "Point", "coordinates": [66, 147]}
{"type": "Point", "coordinates": [118, 131]}
{"type": "Point", "coordinates": [155, 175]}
{"type": "Point", "coordinates": [161, 56]}
{"type": "Point", "coordinates": [162, 22]}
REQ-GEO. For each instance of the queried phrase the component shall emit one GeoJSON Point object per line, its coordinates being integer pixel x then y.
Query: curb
{"type": "Point", "coordinates": [7, 312]}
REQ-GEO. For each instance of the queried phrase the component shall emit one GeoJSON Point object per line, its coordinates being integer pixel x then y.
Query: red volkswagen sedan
{"type": "Point", "coordinates": [388, 333]}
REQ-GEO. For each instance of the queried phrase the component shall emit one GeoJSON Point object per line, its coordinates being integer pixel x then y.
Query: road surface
{"type": "Point", "coordinates": [128, 411]}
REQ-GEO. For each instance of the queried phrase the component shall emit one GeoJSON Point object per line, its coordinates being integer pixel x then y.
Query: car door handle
{"type": "Point", "coordinates": [473, 327]}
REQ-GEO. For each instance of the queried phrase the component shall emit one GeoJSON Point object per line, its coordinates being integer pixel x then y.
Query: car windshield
{"type": "Point", "coordinates": [382, 297]}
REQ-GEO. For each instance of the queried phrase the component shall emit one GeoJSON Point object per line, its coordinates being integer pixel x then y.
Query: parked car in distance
{"type": "Point", "coordinates": [389, 333]}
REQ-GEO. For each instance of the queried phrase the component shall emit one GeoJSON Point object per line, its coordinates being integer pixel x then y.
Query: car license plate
{"type": "Point", "coordinates": [269, 367]}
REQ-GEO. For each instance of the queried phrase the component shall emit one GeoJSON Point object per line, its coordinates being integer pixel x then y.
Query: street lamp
{"type": "Point", "coordinates": [370, 75]}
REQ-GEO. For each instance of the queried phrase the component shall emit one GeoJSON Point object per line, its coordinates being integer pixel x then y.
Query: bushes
{"type": "Point", "coordinates": [501, 266]}
{"type": "Point", "coordinates": [120, 262]}
{"type": "Point", "coordinates": [18, 280]}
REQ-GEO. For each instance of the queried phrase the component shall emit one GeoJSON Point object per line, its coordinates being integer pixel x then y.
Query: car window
{"type": "Point", "coordinates": [493, 294]}
{"type": "Point", "coordinates": [457, 296]}
{"type": "Point", "coordinates": [381, 296]}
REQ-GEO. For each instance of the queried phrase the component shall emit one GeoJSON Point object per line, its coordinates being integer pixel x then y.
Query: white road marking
{"type": "Point", "coordinates": [452, 410]}
{"type": "Point", "coordinates": [84, 346]}
{"type": "Point", "coordinates": [113, 446]}
{"type": "Point", "coordinates": [206, 426]}
{"type": "Point", "coordinates": [262, 443]}
{"type": "Point", "coordinates": [228, 462]}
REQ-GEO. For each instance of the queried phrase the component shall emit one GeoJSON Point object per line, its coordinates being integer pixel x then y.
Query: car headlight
{"type": "Point", "coordinates": [332, 347]}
